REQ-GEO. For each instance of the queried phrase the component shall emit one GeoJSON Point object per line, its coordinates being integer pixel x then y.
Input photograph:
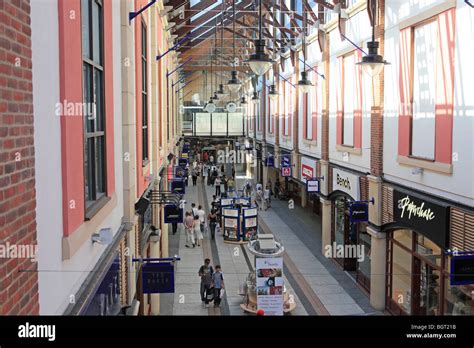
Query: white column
{"type": "Point", "coordinates": [378, 259]}
{"type": "Point", "coordinates": [326, 224]}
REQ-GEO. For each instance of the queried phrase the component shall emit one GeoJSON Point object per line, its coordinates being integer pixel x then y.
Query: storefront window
{"type": "Point", "coordinates": [339, 222]}
{"type": "Point", "coordinates": [401, 278]}
{"type": "Point", "coordinates": [364, 241]}
{"type": "Point", "coordinates": [427, 248]}
{"type": "Point", "coordinates": [459, 299]}
{"type": "Point", "coordinates": [404, 237]}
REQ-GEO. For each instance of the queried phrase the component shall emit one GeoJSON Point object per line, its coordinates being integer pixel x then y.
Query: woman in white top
{"type": "Point", "coordinates": [197, 230]}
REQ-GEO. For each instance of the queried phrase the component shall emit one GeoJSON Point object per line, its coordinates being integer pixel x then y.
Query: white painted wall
{"type": "Point", "coordinates": [358, 29]}
{"type": "Point", "coordinates": [286, 142]}
{"type": "Point", "coordinates": [59, 279]}
{"type": "Point", "coordinates": [458, 186]}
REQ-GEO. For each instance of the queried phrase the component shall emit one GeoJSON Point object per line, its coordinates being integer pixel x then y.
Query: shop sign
{"type": "Point", "coordinates": [270, 161]}
{"type": "Point", "coordinates": [173, 214]}
{"type": "Point", "coordinates": [158, 277]}
{"type": "Point", "coordinates": [308, 169]}
{"type": "Point", "coordinates": [178, 186]}
{"type": "Point", "coordinates": [312, 185]}
{"type": "Point", "coordinates": [285, 161]}
{"type": "Point", "coordinates": [286, 172]}
{"type": "Point", "coordinates": [270, 285]}
{"type": "Point", "coordinates": [424, 216]}
{"type": "Point", "coordinates": [345, 182]}
{"type": "Point", "coordinates": [182, 162]}
{"type": "Point", "coordinates": [462, 270]}
{"type": "Point", "coordinates": [359, 212]}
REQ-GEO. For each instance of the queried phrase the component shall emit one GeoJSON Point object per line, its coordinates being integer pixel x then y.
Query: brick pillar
{"type": "Point", "coordinates": [324, 162]}
{"type": "Point", "coordinates": [18, 289]}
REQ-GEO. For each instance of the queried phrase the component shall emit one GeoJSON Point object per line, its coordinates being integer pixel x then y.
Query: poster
{"type": "Point", "coordinates": [270, 285]}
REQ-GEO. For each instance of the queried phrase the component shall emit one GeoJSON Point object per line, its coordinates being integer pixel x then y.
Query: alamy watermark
{"type": "Point", "coordinates": [67, 108]}
{"type": "Point", "coordinates": [237, 156]}
{"type": "Point", "coordinates": [349, 251]}
{"type": "Point", "coordinates": [19, 251]}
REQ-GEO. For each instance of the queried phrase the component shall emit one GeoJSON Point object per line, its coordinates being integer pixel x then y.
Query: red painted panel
{"type": "Point", "coordinates": [315, 108]}
{"type": "Point", "coordinates": [339, 100]}
{"type": "Point", "coordinates": [358, 102]}
{"type": "Point", "coordinates": [445, 87]}
{"type": "Point", "coordinates": [305, 116]}
{"type": "Point", "coordinates": [72, 133]}
{"type": "Point", "coordinates": [405, 111]}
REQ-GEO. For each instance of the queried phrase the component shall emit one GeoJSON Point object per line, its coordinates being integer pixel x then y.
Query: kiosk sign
{"type": "Point", "coordinates": [270, 285]}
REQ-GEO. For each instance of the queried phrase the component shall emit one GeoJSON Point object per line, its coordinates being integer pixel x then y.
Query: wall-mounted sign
{"type": "Point", "coordinates": [286, 172]}
{"type": "Point", "coordinates": [178, 186]}
{"type": "Point", "coordinates": [462, 270]}
{"type": "Point", "coordinates": [425, 216]}
{"type": "Point", "coordinates": [285, 161]}
{"type": "Point", "coordinates": [346, 182]}
{"type": "Point", "coordinates": [173, 214]}
{"type": "Point", "coordinates": [359, 212]}
{"type": "Point", "coordinates": [158, 277]}
{"type": "Point", "coordinates": [270, 161]}
{"type": "Point", "coordinates": [308, 168]}
{"type": "Point", "coordinates": [312, 185]}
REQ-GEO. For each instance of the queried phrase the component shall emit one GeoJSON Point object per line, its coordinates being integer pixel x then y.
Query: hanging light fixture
{"type": "Point", "coordinates": [243, 100]}
{"type": "Point", "coordinates": [373, 63]}
{"type": "Point", "coordinates": [304, 85]}
{"type": "Point", "coordinates": [210, 106]}
{"type": "Point", "coordinates": [255, 98]}
{"type": "Point", "coordinates": [234, 84]}
{"type": "Point", "coordinates": [221, 91]}
{"type": "Point", "coordinates": [259, 62]}
{"type": "Point", "coordinates": [273, 94]}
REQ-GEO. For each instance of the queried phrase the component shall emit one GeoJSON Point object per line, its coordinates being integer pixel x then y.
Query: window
{"type": "Point", "coordinates": [93, 93]}
{"type": "Point", "coordinates": [349, 101]}
{"type": "Point", "coordinates": [145, 149]}
{"type": "Point", "coordinates": [427, 93]}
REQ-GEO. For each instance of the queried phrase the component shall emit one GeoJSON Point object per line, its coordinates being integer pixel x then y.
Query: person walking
{"type": "Point", "coordinates": [188, 226]}
{"type": "Point", "coordinates": [218, 186]}
{"type": "Point", "coordinates": [266, 197]}
{"type": "Point", "coordinates": [194, 210]}
{"type": "Point", "coordinates": [197, 231]}
{"type": "Point", "coordinates": [259, 198]}
{"type": "Point", "coordinates": [218, 284]}
{"type": "Point", "coordinates": [212, 217]}
{"type": "Point", "coordinates": [175, 227]}
{"type": "Point", "coordinates": [202, 218]}
{"type": "Point", "coordinates": [276, 192]}
{"type": "Point", "coordinates": [205, 272]}
{"type": "Point", "coordinates": [194, 176]}
{"type": "Point", "coordinates": [248, 189]}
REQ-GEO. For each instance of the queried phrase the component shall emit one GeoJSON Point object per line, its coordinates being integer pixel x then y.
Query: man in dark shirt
{"type": "Point", "coordinates": [205, 272]}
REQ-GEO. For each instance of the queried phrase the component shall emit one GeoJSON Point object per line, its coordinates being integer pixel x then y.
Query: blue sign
{"type": "Point", "coordinates": [285, 161]}
{"type": "Point", "coordinates": [270, 161]}
{"type": "Point", "coordinates": [462, 270]}
{"type": "Point", "coordinates": [178, 186]}
{"type": "Point", "coordinates": [173, 214]}
{"type": "Point", "coordinates": [158, 277]}
{"type": "Point", "coordinates": [359, 212]}
{"type": "Point", "coordinates": [182, 162]}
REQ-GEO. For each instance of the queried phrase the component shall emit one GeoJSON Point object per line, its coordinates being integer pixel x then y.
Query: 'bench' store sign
{"type": "Point", "coordinates": [346, 182]}
{"type": "Point", "coordinates": [424, 216]}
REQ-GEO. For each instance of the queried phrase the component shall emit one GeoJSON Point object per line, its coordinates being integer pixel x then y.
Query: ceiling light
{"type": "Point", "coordinates": [234, 84]}
{"type": "Point", "coordinates": [304, 84]}
{"type": "Point", "coordinates": [273, 94]}
{"type": "Point", "coordinates": [255, 98]}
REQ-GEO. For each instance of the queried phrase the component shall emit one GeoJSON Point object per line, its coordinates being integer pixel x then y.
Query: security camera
{"type": "Point", "coordinates": [104, 236]}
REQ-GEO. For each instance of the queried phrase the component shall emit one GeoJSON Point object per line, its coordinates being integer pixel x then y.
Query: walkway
{"type": "Point", "coordinates": [319, 287]}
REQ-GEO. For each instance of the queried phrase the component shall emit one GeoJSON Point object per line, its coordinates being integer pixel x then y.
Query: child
{"type": "Point", "coordinates": [218, 284]}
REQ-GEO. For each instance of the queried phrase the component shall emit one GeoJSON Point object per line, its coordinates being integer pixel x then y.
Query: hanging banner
{"type": "Point", "coordinates": [173, 214]}
{"type": "Point", "coordinates": [286, 172]}
{"type": "Point", "coordinates": [158, 277]}
{"type": "Point", "coordinates": [285, 161]}
{"type": "Point", "coordinates": [462, 270]}
{"type": "Point", "coordinates": [178, 186]}
{"type": "Point", "coordinates": [359, 212]}
{"type": "Point", "coordinates": [270, 161]}
{"type": "Point", "coordinates": [270, 285]}
{"type": "Point", "coordinates": [312, 185]}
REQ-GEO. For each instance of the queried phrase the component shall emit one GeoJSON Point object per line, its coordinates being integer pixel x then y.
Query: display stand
{"type": "Point", "coordinates": [231, 219]}
{"type": "Point", "coordinates": [233, 212]}
{"type": "Point", "coordinates": [249, 223]}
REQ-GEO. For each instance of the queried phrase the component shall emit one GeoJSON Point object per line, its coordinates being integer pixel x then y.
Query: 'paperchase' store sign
{"type": "Point", "coordinates": [425, 216]}
{"type": "Point", "coordinates": [346, 182]}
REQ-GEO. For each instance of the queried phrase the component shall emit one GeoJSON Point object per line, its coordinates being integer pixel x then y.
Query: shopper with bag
{"type": "Point", "coordinates": [205, 272]}
{"type": "Point", "coordinates": [218, 285]}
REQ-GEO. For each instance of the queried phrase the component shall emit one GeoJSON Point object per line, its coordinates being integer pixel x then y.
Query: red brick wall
{"type": "Point", "coordinates": [18, 290]}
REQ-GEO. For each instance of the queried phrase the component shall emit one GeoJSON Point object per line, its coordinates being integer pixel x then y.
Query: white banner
{"type": "Point", "coordinates": [308, 168]}
{"type": "Point", "coordinates": [270, 285]}
{"type": "Point", "coordinates": [346, 182]}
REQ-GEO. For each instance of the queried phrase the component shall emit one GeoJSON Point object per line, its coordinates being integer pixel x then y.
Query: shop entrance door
{"type": "Point", "coordinates": [426, 289]}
